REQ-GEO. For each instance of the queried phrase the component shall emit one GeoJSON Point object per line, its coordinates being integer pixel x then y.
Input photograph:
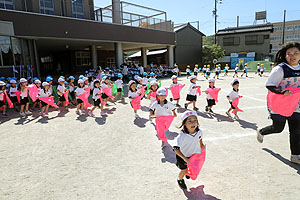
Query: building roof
{"type": "Point", "coordinates": [187, 25]}
{"type": "Point", "coordinates": [244, 29]}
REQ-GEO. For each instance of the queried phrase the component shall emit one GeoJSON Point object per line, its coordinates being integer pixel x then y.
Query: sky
{"type": "Point", "coordinates": [182, 11]}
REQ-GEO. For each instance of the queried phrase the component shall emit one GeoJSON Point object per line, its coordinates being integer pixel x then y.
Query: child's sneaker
{"type": "Point", "coordinates": [187, 177]}
{"type": "Point", "coordinates": [259, 137]}
{"type": "Point", "coordinates": [102, 113]}
{"type": "Point", "coordinates": [206, 109]}
{"type": "Point", "coordinates": [137, 116]}
{"type": "Point", "coordinates": [46, 113]}
{"type": "Point", "coordinates": [228, 114]}
{"type": "Point", "coordinates": [22, 114]}
{"type": "Point", "coordinates": [41, 113]}
{"type": "Point", "coordinates": [91, 114]}
{"type": "Point", "coordinates": [182, 184]}
{"type": "Point", "coordinates": [28, 112]}
{"type": "Point", "coordinates": [210, 110]}
{"type": "Point", "coordinates": [295, 159]}
{"type": "Point", "coordinates": [77, 112]}
{"type": "Point", "coordinates": [82, 112]}
{"type": "Point", "coordinates": [236, 117]}
{"type": "Point", "coordinates": [171, 99]}
{"type": "Point", "coordinates": [185, 106]}
{"type": "Point", "coordinates": [4, 115]}
{"type": "Point", "coordinates": [195, 109]}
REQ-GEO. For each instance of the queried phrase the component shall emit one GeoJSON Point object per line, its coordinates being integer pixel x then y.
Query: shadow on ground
{"type": "Point", "coordinates": [198, 194]}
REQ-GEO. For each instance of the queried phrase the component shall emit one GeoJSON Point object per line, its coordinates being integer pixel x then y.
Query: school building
{"type": "Point", "coordinates": [70, 36]}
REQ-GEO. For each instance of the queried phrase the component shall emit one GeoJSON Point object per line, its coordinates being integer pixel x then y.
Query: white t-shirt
{"type": "Point", "coordinates": [258, 67]}
{"type": "Point", "coordinates": [165, 110]}
{"type": "Point", "coordinates": [79, 91]}
{"type": "Point", "coordinates": [227, 68]}
{"type": "Point", "coordinates": [233, 95]}
{"type": "Point", "coordinates": [43, 93]}
{"type": "Point", "coordinates": [195, 69]}
{"type": "Point", "coordinates": [133, 94]}
{"type": "Point", "coordinates": [145, 81]}
{"type": "Point", "coordinates": [192, 91]}
{"type": "Point", "coordinates": [13, 89]}
{"type": "Point", "coordinates": [61, 89]}
{"type": "Point", "coordinates": [152, 79]}
{"type": "Point", "coordinates": [236, 68]}
{"type": "Point", "coordinates": [141, 69]}
{"type": "Point", "coordinates": [188, 70]}
{"type": "Point", "coordinates": [104, 85]}
{"type": "Point", "coordinates": [277, 74]}
{"type": "Point", "coordinates": [95, 92]}
{"type": "Point", "coordinates": [71, 88]}
{"type": "Point", "coordinates": [189, 144]}
{"type": "Point", "coordinates": [176, 70]}
{"type": "Point", "coordinates": [24, 93]}
{"type": "Point", "coordinates": [119, 83]}
{"type": "Point", "coordinates": [125, 71]}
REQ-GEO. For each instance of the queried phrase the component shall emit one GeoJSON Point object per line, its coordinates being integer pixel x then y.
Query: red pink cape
{"type": "Point", "coordinates": [176, 91]}
{"type": "Point", "coordinates": [163, 123]}
{"type": "Point", "coordinates": [49, 101]}
{"type": "Point", "coordinates": [196, 163]}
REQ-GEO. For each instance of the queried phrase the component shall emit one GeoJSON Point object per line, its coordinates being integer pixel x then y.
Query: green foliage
{"type": "Point", "coordinates": [208, 40]}
{"type": "Point", "coordinates": [212, 52]}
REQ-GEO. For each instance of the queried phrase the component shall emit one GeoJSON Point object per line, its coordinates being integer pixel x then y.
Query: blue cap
{"type": "Point", "coordinates": [145, 74]}
{"type": "Point", "coordinates": [2, 78]}
{"type": "Point", "coordinates": [81, 77]}
{"type": "Point", "coordinates": [152, 74]}
{"type": "Point", "coordinates": [120, 75]}
{"type": "Point", "coordinates": [62, 77]}
{"type": "Point", "coordinates": [8, 78]}
{"type": "Point", "coordinates": [49, 79]}
{"type": "Point", "coordinates": [71, 77]}
{"type": "Point", "coordinates": [14, 78]}
{"type": "Point", "coordinates": [35, 78]}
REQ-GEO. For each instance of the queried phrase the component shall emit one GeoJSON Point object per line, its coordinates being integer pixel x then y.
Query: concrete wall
{"type": "Point", "coordinates": [188, 50]}
{"type": "Point", "coordinates": [261, 50]}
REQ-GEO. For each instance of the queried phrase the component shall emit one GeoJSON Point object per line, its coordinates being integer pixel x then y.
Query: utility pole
{"type": "Point", "coordinates": [237, 21]}
{"type": "Point", "coordinates": [283, 27]}
{"type": "Point", "coordinates": [215, 13]}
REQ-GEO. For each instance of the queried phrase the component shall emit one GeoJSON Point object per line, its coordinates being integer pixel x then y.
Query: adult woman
{"type": "Point", "coordinates": [285, 75]}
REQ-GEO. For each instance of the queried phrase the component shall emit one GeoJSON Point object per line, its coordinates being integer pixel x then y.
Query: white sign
{"type": "Point", "coordinates": [215, 61]}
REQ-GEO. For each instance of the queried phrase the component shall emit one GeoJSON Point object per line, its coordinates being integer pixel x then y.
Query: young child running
{"type": "Point", "coordinates": [24, 97]}
{"type": "Point", "coordinates": [13, 89]}
{"type": "Point", "coordinates": [152, 94]}
{"type": "Point", "coordinates": [145, 79]}
{"type": "Point", "coordinates": [232, 96]}
{"type": "Point", "coordinates": [174, 83]}
{"type": "Point", "coordinates": [120, 85]}
{"type": "Point", "coordinates": [210, 101]}
{"type": "Point", "coordinates": [37, 83]}
{"type": "Point", "coordinates": [162, 107]}
{"type": "Point", "coordinates": [133, 93]}
{"type": "Point", "coordinates": [96, 98]}
{"type": "Point", "coordinates": [2, 98]}
{"type": "Point", "coordinates": [245, 70]}
{"type": "Point", "coordinates": [45, 92]}
{"type": "Point", "coordinates": [79, 91]}
{"type": "Point", "coordinates": [61, 89]}
{"type": "Point", "coordinates": [226, 70]}
{"type": "Point", "coordinates": [236, 70]}
{"type": "Point", "coordinates": [72, 88]}
{"type": "Point", "coordinates": [191, 95]}
{"type": "Point", "coordinates": [187, 143]}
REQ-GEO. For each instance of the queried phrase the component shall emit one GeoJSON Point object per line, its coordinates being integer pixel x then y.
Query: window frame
{"type": "Point", "coordinates": [50, 11]}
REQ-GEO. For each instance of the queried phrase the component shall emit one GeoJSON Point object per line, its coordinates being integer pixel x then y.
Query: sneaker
{"type": "Point", "coordinates": [206, 109]}
{"type": "Point", "coordinates": [28, 112]}
{"type": "Point", "coordinates": [46, 113]}
{"type": "Point", "coordinates": [4, 115]}
{"type": "Point", "coordinates": [41, 114]}
{"type": "Point", "coordinates": [210, 110]}
{"type": "Point", "coordinates": [195, 109]}
{"type": "Point", "coordinates": [77, 112]}
{"type": "Point", "coordinates": [295, 159]}
{"type": "Point", "coordinates": [259, 137]}
{"type": "Point", "coordinates": [164, 144]}
{"type": "Point", "coordinates": [82, 112]}
{"type": "Point", "coordinates": [187, 177]}
{"type": "Point", "coordinates": [137, 116]}
{"type": "Point", "coordinates": [185, 106]}
{"type": "Point", "coordinates": [91, 114]}
{"type": "Point", "coordinates": [236, 117]}
{"type": "Point", "coordinates": [182, 184]}
{"type": "Point", "coordinates": [228, 114]}
{"type": "Point", "coordinates": [102, 113]}
{"type": "Point", "coordinates": [22, 114]}
{"type": "Point", "coordinates": [177, 105]}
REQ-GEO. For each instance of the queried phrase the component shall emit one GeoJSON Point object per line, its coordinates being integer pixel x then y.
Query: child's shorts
{"type": "Point", "coordinates": [217, 73]}
{"type": "Point", "coordinates": [191, 97]}
{"type": "Point", "coordinates": [43, 104]}
{"type": "Point", "coordinates": [79, 101]}
{"type": "Point", "coordinates": [232, 106]}
{"type": "Point", "coordinates": [97, 102]}
{"type": "Point", "coordinates": [195, 73]}
{"type": "Point", "coordinates": [62, 98]}
{"type": "Point", "coordinates": [14, 99]}
{"type": "Point", "coordinates": [104, 96]}
{"type": "Point", "coordinates": [24, 101]}
{"type": "Point", "coordinates": [180, 163]}
{"type": "Point", "coordinates": [119, 89]}
{"type": "Point", "coordinates": [2, 103]}
{"type": "Point", "coordinates": [211, 102]}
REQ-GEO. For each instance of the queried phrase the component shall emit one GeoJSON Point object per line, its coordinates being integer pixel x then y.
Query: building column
{"type": "Point", "coordinates": [171, 55]}
{"type": "Point", "coordinates": [119, 54]}
{"type": "Point", "coordinates": [144, 57]}
{"type": "Point", "coordinates": [94, 58]}
{"type": "Point", "coordinates": [37, 63]}
{"type": "Point", "coordinates": [116, 11]}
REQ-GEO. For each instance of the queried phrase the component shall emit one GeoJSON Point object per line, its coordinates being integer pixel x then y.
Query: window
{"type": "Point", "coordinates": [275, 38]}
{"type": "Point", "coordinates": [289, 28]}
{"type": "Point", "coordinates": [77, 9]}
{"type": "Point", "coordinates": [254, 39]}
{"type": "Point", "coordinates": [277, 29]}
{"type": "Point", "coordinates": [297, 27]}
{"type": "Point", "coordinates": [231, 41]}
{"type": "Point", "coordinates": [110, 61]}
{"type": "Point", "coordinates": [47, 7]}
{"type": "Point", "coordinates": [83, 58]}
{"type": "Point", "coordinates": [7, 4]}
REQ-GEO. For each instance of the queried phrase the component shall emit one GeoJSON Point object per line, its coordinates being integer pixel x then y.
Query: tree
{"type": "Point", "coordinates": [212, 52]}
{"type": "Point", "coordinates": [209, 40]}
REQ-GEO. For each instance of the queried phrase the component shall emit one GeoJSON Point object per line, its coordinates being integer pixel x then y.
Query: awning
{"type": "Point", "coordinates": [139, 54]}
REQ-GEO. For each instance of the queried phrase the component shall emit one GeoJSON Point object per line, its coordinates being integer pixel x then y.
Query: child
{"type": "Point", "coordinates": [196, 70]}
{"type": "Point", "coordinates": [140, 83]}
{"type": "Point", "coordinates": [152, 77]}
{"type": "Point", "coordinates": [49, 79]}
{"type": "Point", "coordinates": [44, 92]}
{"type": "Point", "coordinates": [262, 70]}
{"type": "Point", "coordinates": [152, 94]}
{"type": "Point", "coordinates": [105, 84]}
{"type": "Point", "coordinates": [86, 82]}
{"type": "Point", "coordinates": [191, 95]}
{"type": "Point", "coordinates": [258, 69]}
{"type": "Point", "coordinates": [12, 93]}
{"type": "Point", "coordinates": [79, 91]}
{"type": "Point", "coordinates": [208, 72]}
{"type": "Point", "coordinates": [37, 83]}
{"type": "Point", "coordinates": [218, 69]}
{"type": "Point", "coordinates": [24, 97]}
{"type": "Point", "coordinates": [188, 71]}
{"type": "Point", "coordinates": [162, 107]}
{"type": "Point", "coordinates": [245, 70]}
{"type": "Point", "coordinates": [2, 98]}
{"type": "Point", "coordinates": [120, 86]}
{"type": "Point", "coordinates": [236, 70]}
{"type": "Point", "coordinates": [226, 70]}
{"type": "Point", "coordinates": [174, 83]}
{"type": "Point", "coordinates": [96, 98]}
{"type": "Point", "coordinates": [145, 79]}
{"type": "Point", "coordinates": [133, 92]}
{"type": "Point", "coordinates": [72, 88]}
{"type": "Point", "coordinates": [61, 89]}
{"type": "Point", "coordinates": [187, 143]}
{"type": "Point", "coordinates": [204, 70]}
{"type": "Point", "coordinates": [232, 96]}
{"type": "Point", "coordinates": [210, 101]}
